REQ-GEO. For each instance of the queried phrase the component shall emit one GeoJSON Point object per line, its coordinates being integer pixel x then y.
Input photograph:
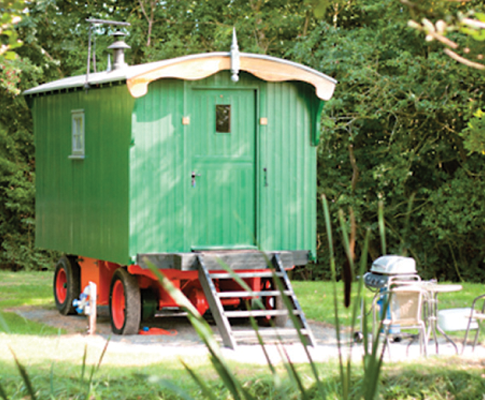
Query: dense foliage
{"type": "Point", "coordinates": [393, 133]}
{"type": "Point", "coordinates": [397, 129]}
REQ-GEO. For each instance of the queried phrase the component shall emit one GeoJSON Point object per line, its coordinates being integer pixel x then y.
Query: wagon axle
{"type": "Point", "coordinates": [134, 294]}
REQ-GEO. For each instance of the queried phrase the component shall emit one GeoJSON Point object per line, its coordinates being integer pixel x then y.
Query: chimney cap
{"type": "Point", "coordinates": [118, 33]}
{"type": "Point", "coordinates": [118, 45]}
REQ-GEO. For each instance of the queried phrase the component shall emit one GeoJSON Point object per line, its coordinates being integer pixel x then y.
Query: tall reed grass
{"type": "Point", "coordinates": [86, 384]}
{"type": "Point", "coordinates": [365, 388]}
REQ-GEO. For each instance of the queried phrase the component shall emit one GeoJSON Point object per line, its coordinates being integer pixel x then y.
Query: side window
{"type": "Point", "coordinates": [77, 133]}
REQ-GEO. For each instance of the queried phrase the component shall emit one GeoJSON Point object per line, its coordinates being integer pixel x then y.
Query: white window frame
{"type": "Point", "coordinates": [77, 134]}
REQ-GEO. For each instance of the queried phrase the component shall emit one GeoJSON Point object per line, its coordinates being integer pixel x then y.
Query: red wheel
{"type": "Point", "coordinates": [67, 284]}
{"type": "Point", "coordinates": [61, 285]}
{"type": "Point", "coordinates": [118, 302]}
{"type": "Point", "coordinates": [125, 303]}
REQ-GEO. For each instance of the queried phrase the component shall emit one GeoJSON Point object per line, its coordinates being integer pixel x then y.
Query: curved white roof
{"type": "Point", "coordinates": [196, 67]}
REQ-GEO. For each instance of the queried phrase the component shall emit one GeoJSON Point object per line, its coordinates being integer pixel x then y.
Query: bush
{"type": "Point", "coordinates": [391, 133]}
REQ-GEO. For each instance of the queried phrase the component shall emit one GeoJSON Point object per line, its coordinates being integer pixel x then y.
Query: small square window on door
{"type": "Point", "coordinates": [77, 134]}
{"type": "Point", "coordinates": [223, 118]}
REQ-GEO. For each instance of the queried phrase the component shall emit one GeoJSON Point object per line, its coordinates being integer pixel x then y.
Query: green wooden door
{"type": "Point", "coordinates": [221, 144]}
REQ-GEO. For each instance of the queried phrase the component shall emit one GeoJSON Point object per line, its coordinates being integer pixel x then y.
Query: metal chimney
{"type": "Point", "coordinates": [119, 47]}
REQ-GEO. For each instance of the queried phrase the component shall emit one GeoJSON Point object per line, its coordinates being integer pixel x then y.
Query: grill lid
{"type": "Point", "coordinates": [394, 265]}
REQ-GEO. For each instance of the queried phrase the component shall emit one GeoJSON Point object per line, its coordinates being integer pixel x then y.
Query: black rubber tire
{"type": "Point", "coordinates": [149, 303]}
{"type": "Point", "coordinates": [67, 284]}
{"type": "Point", "coordinates": [129, 324]}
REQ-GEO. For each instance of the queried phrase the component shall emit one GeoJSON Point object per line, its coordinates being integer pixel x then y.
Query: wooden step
{"type": "Point", "coordinates": [258, 313]}
{"type": "Point", "coordinates": [222, 316]}
{"type": "Point", "coordinates": [261, 274]}
{"type": "Point", "coordinates": [268, 332]}
{"type": "Point", "coordinates": [266, 293]}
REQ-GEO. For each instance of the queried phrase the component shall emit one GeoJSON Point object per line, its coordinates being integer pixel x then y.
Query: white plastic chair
{"type": "Point", "coordinates": [405, 309]}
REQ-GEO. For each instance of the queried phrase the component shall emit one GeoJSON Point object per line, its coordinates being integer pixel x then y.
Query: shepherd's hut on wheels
{"type": "Point", "coordinates": [187, 163]}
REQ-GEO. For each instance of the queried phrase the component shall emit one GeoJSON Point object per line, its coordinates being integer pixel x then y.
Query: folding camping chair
{"type": "Point", "coordinates": [404, 309]}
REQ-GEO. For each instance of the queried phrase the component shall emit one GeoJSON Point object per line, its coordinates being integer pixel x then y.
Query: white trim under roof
{"type": "Point", "coordinates": [196, 67]}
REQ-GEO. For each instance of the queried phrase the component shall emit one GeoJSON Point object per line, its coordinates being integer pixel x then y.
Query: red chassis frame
{"type": "Point", "coordinates": [101, 273]}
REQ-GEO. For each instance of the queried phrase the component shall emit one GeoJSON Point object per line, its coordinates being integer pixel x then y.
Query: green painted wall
{"type": "Point", "coordinates": [133, 192]}
{"type": "Point", "coordinates": [287, 210]}
{"type": "Point", "coordinates": [157, 208]}
{"type": "Point", "coordinates": [165, 152]}
{"type": "Point", "coordinates": [82, 205]}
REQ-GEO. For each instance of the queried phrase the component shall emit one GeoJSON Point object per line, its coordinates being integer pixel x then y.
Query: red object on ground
{"type": "Point", "coordinates": [157, 331]}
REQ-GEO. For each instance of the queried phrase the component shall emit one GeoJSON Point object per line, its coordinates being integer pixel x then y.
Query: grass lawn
{"type": "Point", "coordinates": [25, 289]}
{"type": "Point", "coordinates": [316, 299]}
{"type": "Point", "coordinates": [56, 368]}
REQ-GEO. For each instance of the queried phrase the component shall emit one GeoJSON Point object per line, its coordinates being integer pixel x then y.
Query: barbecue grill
{"type": "Point", "coordinates": [389, 268]}
{"type": "Point", "coordinates": [384, 271]}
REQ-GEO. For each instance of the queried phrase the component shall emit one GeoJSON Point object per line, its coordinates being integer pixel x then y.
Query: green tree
{"type": "Point", "coordinates": [393, 133]}
{"type": "Point", "coordinates": [10, 14]}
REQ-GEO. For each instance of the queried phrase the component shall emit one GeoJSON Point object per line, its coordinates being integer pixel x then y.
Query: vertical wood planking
{"type": "Point", "coordinates": [156, 175]}
{"type": "Point", "coordinates": [82, 205]}
{"type": "Point", "coordinates": [131, 194]}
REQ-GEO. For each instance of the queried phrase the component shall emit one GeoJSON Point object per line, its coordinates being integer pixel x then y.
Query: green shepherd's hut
{"type": "Point", "coordinates": [184, 163]}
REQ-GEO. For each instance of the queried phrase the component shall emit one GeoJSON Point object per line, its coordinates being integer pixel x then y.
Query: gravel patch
{"type": "Point", "coordinates": [184, 341]}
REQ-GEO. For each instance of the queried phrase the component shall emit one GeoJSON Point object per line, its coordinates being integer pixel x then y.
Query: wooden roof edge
{"type": "Point", "coordinates": [267, 68]}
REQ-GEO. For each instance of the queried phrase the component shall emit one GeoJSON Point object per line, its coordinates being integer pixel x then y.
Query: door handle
{"type": "Point", "coordinates": [193, 177]}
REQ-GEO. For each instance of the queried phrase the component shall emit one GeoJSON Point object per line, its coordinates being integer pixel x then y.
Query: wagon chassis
{"type": "Point", "coordinates": [134, 294]}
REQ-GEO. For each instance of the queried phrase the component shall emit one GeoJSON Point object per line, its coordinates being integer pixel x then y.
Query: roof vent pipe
{"type": "Point", "coordinates": [119, 47]}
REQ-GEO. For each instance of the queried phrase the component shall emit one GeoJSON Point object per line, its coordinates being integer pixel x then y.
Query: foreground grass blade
{"type": "Point", "coordinates": [293, 373]}
{"type": "Point", "coordinates": [83, 367]}
{"type": "Point", "coordinates": [382, 228]}
{"type": "Point", "coordinates": [373, 361]}
{"type": "Point", "coordinates": [3, 324]}
{"type": "Point", "coordinates": [328, 227]}
{"type": "Point", "coordinates": [25, 377]}
{"type": "Point", "coordinates": [290, 369]}
{"type": "Point", "coordinates": [349, 244]}
{"type": "Point", "coordinates": [3, 394]}
{"type": "Point", "coordinates": [51, 379]}
{"type": "Point", "coordinates": [205, 333]}
{"type": "Point", "coordinates": [359, 297]}
{"type": "Point", "coordinates": [255, 327]}
{"type": "Point", "coordinates": [94, 369]}
{"type": "Point", "coordinates": [206, 390]}
{"type": "Point", "coordinates": [240, 281]}
{"type": "Point", "coordinates": [357, 302]}
{"type": "Point", "coordinates": [297, 325]}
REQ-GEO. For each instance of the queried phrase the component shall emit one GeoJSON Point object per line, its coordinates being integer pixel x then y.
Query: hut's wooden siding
{"type": "Point", "coordinates": [82, 205]}
{"type": "Point", "coordinates": [161, 209]}
{"type": "Point", "coordinates": [157, 209]}
{"type": "Point", "coordinates": [287, 211]}
{"type": "Point", "coordinates": [132, 193]}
